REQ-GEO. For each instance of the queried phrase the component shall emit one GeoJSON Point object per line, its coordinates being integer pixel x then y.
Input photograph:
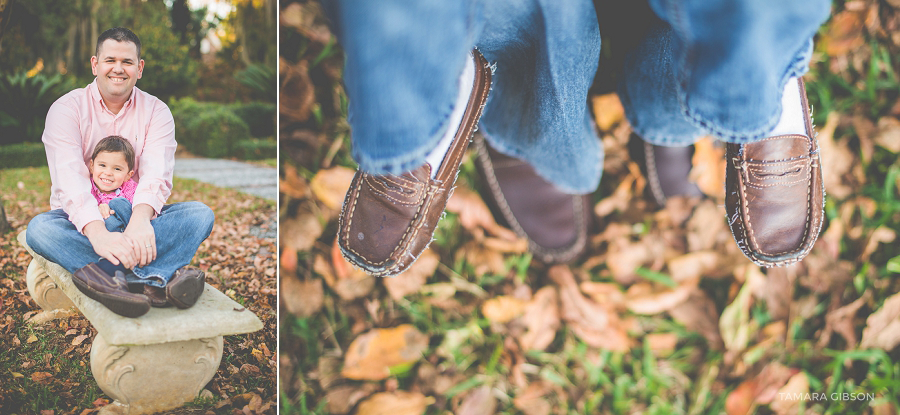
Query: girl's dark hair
{"type": "Point", "coordinates": [116, 144]}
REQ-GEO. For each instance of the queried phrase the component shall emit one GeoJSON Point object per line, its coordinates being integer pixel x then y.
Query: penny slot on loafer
{"type": "Point", "coordinates": [766, 173]}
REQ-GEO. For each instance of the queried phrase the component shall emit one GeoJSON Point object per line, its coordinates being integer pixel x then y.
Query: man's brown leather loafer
{"type": "Point", "coordinates": [668, 170]}
{"type": "Point", "coordinates": [554, 223]}
{"type": "Point", "coordinates": [774, 195]}
{"type": "Point", "coordinates": [111, 291]}
{"type": "Point", "coordinates": [185, 287]}
{"type": "Point", "coordinates": [388, 220]}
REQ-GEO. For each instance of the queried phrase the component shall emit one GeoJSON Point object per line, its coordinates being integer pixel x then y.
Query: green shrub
{"type": "Point", "coordinates": [215, 133]}
{"type": "Point", "coordinates": [261, 79]}
{"type": "Point", "coordinates": [259, 116]}
{"type": "Point", "coordinates": [24, 102]}
{"type": "Point", "coordinates": [257, 148]}
{"type": "Point", "coordinates": [22, 155]}
{"type": "Point", "coordinates": [184, 111]}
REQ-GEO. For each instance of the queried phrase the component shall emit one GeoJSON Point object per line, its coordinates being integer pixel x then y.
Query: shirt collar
{"type": "Point", "coordinates": [95, 91]}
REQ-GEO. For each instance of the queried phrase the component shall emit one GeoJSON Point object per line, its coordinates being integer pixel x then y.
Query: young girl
{"type": "Point", "coordinates": [112, 165]}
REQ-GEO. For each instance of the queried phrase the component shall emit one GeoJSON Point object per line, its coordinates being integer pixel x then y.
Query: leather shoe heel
{"type": "Point", "coordinates": [185, 287]}
{"type": "Point", "coordinates": [111, 291]}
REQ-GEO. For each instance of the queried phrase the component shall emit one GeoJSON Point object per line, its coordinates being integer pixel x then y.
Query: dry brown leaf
{"type": "Point", "coordinates": [883, 326]}
{"type": "Point", "coordinates": [837, 159]}
{"type": "Point", "coordinates": [881, 235]}
{"type": "Point", "coordinates": [596, 325]}
{"type": "Point", "coordinates": [43, 378]}
{"type": "Point", "coordinates": [302, 298]}
{"type": "Point", "coordinates": [293, 185]}
{"type": "Point", "coordinates": [341, 399]}
{"type": "Point", "coordinates": [693, 265]}
{"type": "Point", "coordinates": [761, 389]}
{"type": "Point", "coordinates": [484, 260]}
{"type": "Point", "coordinates": [412, 280]}
{"type": "Point", "coordinates": [783, 404]}
{"type": "Point", "coordinates": [708, 169]}
{"type": "Point", "coordinates": [706, 227]}
{"type": "Point", "coordinates": [372, 354]}
{"type": "Point", "coordinates": [844, 34]}
{"type": "Point", "coordinates": [608, 110]}
{"type": "Point", "coordinates": [699, 314]}
{"type": "Point", "coordinates": [502, 309]}
{"type": "Point", "coordinates": [648, 299]}
{"type": "Point", "coordinates": [541, 320]}
{"type": "Point", "coordinates": [531, 401]}
{"type": "Point", "coordinates": [888, 135]}
{"type": "Point", "coordinates": [300, 232]}
{"type": "Point", "coordinates": [478, 401]}
{"type": "Point", "coordinates": [628, 186]}
{"type": "Point", "coordinates": [395, 403]}
{"type": "Point", "coordinates": [297, 90]}
{"type": "Point", "coordinates": [347, 281]}
{"type": "Point", "coordinates": [625, 257]}
{"type": "Point", "coordinates": [604, 293]}
{"type": "Point", "coordinates": [330, 186]}
{"type": "Point", "coordinates": [662, 344]}
{"type": "Point", "coordinates": [475, 216]}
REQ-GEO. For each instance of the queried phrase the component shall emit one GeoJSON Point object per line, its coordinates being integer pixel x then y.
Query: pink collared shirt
{"type": "Point", "coordinates": [126, 190]}
{"type": "Point", "coordinates": [79, 120]}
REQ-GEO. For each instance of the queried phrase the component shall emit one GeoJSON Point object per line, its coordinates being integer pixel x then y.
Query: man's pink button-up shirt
{"type": "Point", "coordinates": [79, 120]}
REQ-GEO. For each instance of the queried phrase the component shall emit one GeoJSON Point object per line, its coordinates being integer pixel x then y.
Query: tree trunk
{"type": "Point", "coordinates": [4, 225]}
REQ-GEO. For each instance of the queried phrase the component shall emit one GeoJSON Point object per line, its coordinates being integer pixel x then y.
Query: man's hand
{"type": "Point", "coordinates": [141, 233]}
{"type": "Point", "coordinates": [105, 211]}
{"type": "Point", "coordinates": [114, 246]}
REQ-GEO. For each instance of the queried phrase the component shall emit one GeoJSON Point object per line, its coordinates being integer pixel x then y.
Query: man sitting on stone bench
{"type": "Point", "coordinates": [145, 264]}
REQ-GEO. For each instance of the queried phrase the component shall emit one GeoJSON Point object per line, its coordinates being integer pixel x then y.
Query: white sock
{"type": "Point", "coordinates": [466, 82]}
{"type": "Point", "coordinates": [792, 120]}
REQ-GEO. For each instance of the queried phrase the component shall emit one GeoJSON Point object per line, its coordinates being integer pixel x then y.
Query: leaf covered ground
{"type": "Point", "coordinates": [664, 315]}
{"type": "Point", "coordinates": [45, 366]}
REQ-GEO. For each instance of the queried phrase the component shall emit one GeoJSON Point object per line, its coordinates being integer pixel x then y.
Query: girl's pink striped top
{"type": "Point", "coordinates": [126, 190]}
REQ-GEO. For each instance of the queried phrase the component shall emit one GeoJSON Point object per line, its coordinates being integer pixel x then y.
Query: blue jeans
{"type": "Point", "coordinates": [710, 67]}
{"type": "Point", "coordinates": [180, 229]}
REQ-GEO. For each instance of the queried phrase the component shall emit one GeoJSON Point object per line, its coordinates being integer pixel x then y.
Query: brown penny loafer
{"type": "Point", "coordinates": [668, 170]}
{"type": "Point", "coordinates": [554, 223]}
{"type": "Point", "coordinates": [774, 195]}
{"type": "Point", "coordinates": [157, 296]}
{"type": "Point", "coordinates": [111, 291]}
{"type": "Point", "coordinates": [388, 220]}
{"type": "Point", "coordinates": [185, 287]}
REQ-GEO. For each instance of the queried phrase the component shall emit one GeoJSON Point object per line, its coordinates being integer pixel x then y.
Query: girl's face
{"type": "Point", "coordinates": [109, 170]}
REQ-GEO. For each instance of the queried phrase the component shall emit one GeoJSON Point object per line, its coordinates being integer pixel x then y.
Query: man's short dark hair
{"type": "Point", "coordinates": [119, 34]}
{"type": "Point", "coordinates": [115, 144]}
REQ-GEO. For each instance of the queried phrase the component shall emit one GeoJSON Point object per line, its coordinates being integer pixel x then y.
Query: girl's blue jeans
{"type": "Point", "coordinates": [180, 229]}
{"type": "Point", "coordinates": [708, 67]}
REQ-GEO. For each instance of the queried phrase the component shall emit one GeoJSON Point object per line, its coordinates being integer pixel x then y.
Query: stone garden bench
{"type": "Point", "coordinates": [154, 362]}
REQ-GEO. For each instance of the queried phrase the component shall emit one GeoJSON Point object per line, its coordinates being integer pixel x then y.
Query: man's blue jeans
{"type": "Point", "coordinates": [708, 67]}
{"type": "Point", "coordinates": [180, 229]}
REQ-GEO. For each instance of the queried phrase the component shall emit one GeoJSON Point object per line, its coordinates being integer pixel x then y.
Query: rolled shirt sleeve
{"type": "Point", "coordinates": [66, 160]}
{"type": "Point", "coordinates": [156, 164]}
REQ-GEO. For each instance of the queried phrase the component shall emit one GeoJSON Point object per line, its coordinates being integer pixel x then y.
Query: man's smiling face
{"type": "Point", "coordinates": [117, 68]}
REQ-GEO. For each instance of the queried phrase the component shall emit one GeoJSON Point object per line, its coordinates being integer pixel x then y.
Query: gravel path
{"type": "Point", "coordinates": [248, 178]}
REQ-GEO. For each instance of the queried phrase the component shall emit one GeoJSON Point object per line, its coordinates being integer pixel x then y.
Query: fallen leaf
{"type": "Point", "coordinates": [293, 185]}
{"type": "Point", "coordinates": [502, 309]}
{"type": "Point", "coordinates": [331, 185]}
{"type": "Point", "coordinates": [837, 158]}
{"type": "Point", "coordinates": [735, 324]}
{"type": "Point", "coordinates": [604, 293]}
{"type": "Point", "coordinates": [531, 401]}
{"type": "Point", "coordinates": [79, 339]}
{"type": "Point", "coordinates": [31, 339]}
{"type": "Point", "coordinates": [881, 235]}
{"type": "Point", "coordinates": [888, 135]}
{"type": "Point", "coordinates": [484, 260]}
{"type": "Point", "coordinates": [608, 110]}
{"type": "Point", "coordinates": [883, 326]}
{"type": "Point", "coordinates": [693, 265]}
{"type": "Point", "coordinates": [411, 281]}
{"type": "Point", "coordinates": [372, 354]}
{"type": "Point", "coordinates": [761, 389]}
{"type": "Point", "coordinates": [784, 404]}
{"type": "Point", "coordinates": [649, 299]}
{"type": "Point", "coordinates": [841, 321]}
{"type": "Point", "coordinates": [475, 216]}
{"type": "Point", "coordinates": [596, 325]}
{"type": "Point", "coordinates": [41, 377]}
{"type": "Point", "coordinates": [662, 344]}
{"type": "Point", "coordinates": [708, 169]}
{"type": "Point", "coordinates": [300, 232]}
{"type": "Point", "coordinates": [297, 91]}
{"type": "Point", "coordinates": [844, 34]}
{"type": "Point", "coordinates": [341, 399]}
{"type": "Point", "coordinates": [395, 403]}
{"type": "Point", "coordinates": [478, 401]}
{"type": "Point", "coordinates": [302, 298]}
{"type": "Point", "coordinates": [346, 280]}
{"type": "Point", "coordinates": [541, 319]}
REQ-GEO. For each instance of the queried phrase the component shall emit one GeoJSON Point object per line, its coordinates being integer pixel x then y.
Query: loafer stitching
{"type": "Point", "coordinates": [367, 180]}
